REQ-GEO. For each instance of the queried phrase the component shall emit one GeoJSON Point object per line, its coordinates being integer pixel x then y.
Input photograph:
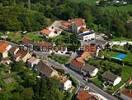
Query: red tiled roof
{"type": "Point", "coordinates": [77, 63]}
{"type": "Point", "coordinates": [84, 95]}
{"type": "Point", "coordinates": [90, 48]}
{"type": "Point", "coordinates": [127, 92]}
{"type": "Point", "coordinates": [3, 46]}
{"type": "Point", "coordinates": [45, 31]}
{"type": "Point", "coordinates": [78, 21]}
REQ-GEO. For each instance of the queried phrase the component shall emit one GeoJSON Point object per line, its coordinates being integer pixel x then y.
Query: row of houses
{"type": "Point", "coordinates": [43, 46]}
{"type": "Point", "coordinates": [17, 54]}
{"type": "Point", "coordinates": [79, 65]}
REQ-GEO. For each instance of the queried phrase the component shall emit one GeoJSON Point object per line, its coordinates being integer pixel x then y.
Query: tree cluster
{"type": "Point", "coordinates": [16, 15]}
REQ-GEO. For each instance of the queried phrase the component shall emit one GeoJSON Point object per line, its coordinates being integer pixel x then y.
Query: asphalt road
{"type": "Point", "coordinates": [82, 82]}
{"type": "Point", "coordinates": [75, 75]}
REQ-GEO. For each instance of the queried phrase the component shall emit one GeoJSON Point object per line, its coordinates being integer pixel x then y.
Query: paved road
{"type": "Point", "coordinates": [75, 75]}
{"type": "Point", "coordinates": [82, 82]}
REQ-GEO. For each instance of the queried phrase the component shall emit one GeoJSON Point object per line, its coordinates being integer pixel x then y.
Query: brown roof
{"type": "Point", "coordinates": [3, 46]}
{"type": "Point", "coordinates": [84, 95]}
{"type": "Point", "coordinates": [109, 76]}
{"type": "Point", "coordinates": [21, 53]}
{"type": "Point", "coordinates": [66, 24]}
{"type": "Point", "coordinates": [26, 40]}
{"type": "Point", "coordinates": [43, 44]}
{"type": "Point", "coordinates": [13, 49]}
{"type": "Point", "coordinates": [127, 92]}
{"type": "Point", "coordinates": [44, 69]}
{"type": "Point", "coordinates": [45, 31]}
{"type": "Point", "coordinates": [77, 64]}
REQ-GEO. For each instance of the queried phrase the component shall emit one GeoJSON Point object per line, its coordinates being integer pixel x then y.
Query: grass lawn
{"type": "Point", "coordinates": [97, 81]}
{"type": "Point", "coordinates": [60, 58]}
{"type": "Point", "coordinates": [15, 37]}
{"type": "Point", "coordinates": [126, 73]}
{"type": "Point", "coordinates": [113, 54]}
{"type": "Point", "coordinates": [121, 39]}
{"type": "Point", "coordinates": [128, 58]}
{"type": "Point", "coordinates": [1, 33]}
{"type": "Point", "coordinates": [34, 36]}
{"type": "Point", "coordinates": [109, 53]}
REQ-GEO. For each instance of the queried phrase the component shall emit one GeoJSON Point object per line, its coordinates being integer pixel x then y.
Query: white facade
{"type": "Point", "coordinates": [5, 53]}
{"type": "Point", "coordinates": [53, 34]}
{"type": "Point", "coordinates": [89, 37]}
{"type": "Point", "coordinates": [117, 81]}
{"type": "Point", "coordinates": [8, 48]}
{"type": "Point", "coordinates": [94, 73]}
{"type": "Point", "coordinates": [67, 85]}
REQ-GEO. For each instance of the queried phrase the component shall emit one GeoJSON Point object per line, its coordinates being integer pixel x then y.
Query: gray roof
{"type": "Point", "coordinates": [89, 68]}
{"type": "Point", "coordinates": [109, 76]}
{"type": "Point", "coordinates": [44, 69]}
{"type": "Point", "coordinates": [98, 42]}
{"type": "Point", "coordinates": [87, 33]}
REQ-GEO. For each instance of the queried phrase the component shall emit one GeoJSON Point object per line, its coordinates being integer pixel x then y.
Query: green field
{"type": "Point", "coordinates": [34, 36]}
{"type": "Point", "coordinates": [121, 39]}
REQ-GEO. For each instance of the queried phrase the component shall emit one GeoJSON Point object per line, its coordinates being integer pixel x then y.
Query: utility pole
{"type": "Point", "coordinates": [29, 4]}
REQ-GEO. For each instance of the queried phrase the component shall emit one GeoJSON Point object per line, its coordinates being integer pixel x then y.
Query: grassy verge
{"type": "Point", "coordinates": [60, 58]}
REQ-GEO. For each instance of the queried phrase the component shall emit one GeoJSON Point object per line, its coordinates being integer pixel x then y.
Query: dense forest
{"type": "Point", "coordinates": [33, 15]}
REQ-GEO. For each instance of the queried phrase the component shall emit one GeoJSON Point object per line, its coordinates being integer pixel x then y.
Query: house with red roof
{"type": "Point", "coordinates": [85, 95]}
{"type": "Point", "coordinates": [4, 48]}
{"type": "Point", "coordinates": [77, 65]}
{"type": "Point", "coordinates": [77, 24]}
{"type": "Point", "coordinates": [53, 30]}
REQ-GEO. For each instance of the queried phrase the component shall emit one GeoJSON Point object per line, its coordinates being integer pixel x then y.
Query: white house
{"type": "Point", "coordinates": [33, 61]}
{"type": "Point", "coordinates": [53, 30]}
{"type": "Point", "coordinates": [67, 85]}
{"type": "Point", "coordinates": [87, 35]}
{"type": "Point", "coordinates": [111, 78]}
{"type": "Point", "coordinates": [60, 50]}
